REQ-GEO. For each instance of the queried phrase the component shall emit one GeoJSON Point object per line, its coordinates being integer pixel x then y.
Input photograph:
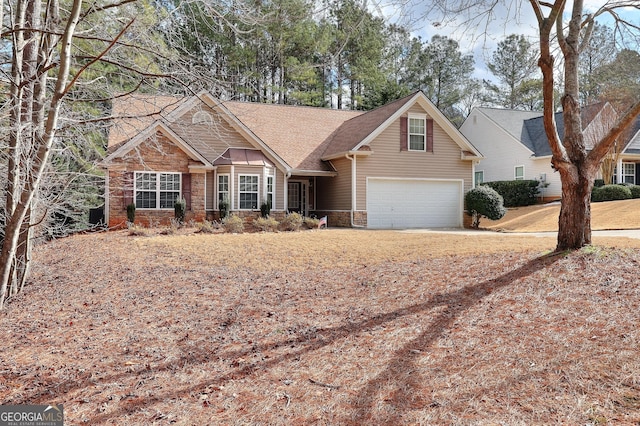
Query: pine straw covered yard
{"type": "Point", "coordinates": [331, 327]}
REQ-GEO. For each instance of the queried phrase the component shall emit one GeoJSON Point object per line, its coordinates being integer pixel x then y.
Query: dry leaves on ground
{"type": "Point", "coordinates": [326, 327]}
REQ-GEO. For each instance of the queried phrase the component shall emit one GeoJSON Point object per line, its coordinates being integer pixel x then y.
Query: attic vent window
{"type": "Point", "coordinates": [201, 117]}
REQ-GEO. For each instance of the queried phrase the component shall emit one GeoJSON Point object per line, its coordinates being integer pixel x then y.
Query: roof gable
{"type": "Point", "coordinates": [148, 133]}
{"type": "Point", "coordinates": [132, 114]}
{"type": "Point", "coordinates": [633, 137]}
{"type": "Point", "coordinates": [358, 132]}
{"type": "Point", "coordinates": [297, 139]}
{"type": "Point", "coordinates": [298, 134]}
{"type": "Point", "coordinates": [527, 127]}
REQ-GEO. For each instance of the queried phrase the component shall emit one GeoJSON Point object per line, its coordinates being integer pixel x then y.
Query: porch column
{"type": "Point", "coordinates": [619, 171]}
{"type": "Point", "coordinates": [285, 191]}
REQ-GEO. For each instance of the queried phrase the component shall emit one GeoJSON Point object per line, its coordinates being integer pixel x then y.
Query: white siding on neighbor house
{"type": "Point", "coordinates": [503, 153]}
{"type": "Point", "coordinates": [542, 166]}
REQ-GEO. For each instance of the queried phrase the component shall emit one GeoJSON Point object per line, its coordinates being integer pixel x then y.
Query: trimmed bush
{"type": "Point", "coordinates": [484, 201]}
{"type": "Point", "coordinates": [311, 222]}
{"type": "Point", "coordinates": [635, 191]}
{"type": "Point", "coordinates": [207, 227]}
{"type": "Point", "coordinates": [179, 210]}
{"type": "Point", "coordinates": [598, 183]}
{"type": "Point", "coordinates": [516, 193]}
{"type": "Point", "coordinates": [292, 222]}
{"type": "Point", "coordinates": [610, 193]}
{"type": "Point", "coordinates": [265, 209]}
{"type": "Point", "coordinates": [131, 213]}
{"type": "Point", "coordinates": [223, 206]}
{"type": "Point", "coordinates": [266, 224]}
{"type": "Point", "coordinates": [233, 224]}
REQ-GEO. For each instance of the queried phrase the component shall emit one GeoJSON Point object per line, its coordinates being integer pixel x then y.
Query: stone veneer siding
{"type": "Point", "coordinates": [160, 155]}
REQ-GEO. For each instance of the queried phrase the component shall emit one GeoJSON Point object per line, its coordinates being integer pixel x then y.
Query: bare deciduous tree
{"type": "Point", "coordinates": [568, 25]}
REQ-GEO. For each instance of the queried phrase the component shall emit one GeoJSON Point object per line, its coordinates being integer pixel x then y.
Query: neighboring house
{"type": "Point", "coordinates": [403, 165]}
{"type": "Point", "coordinates": [515, 144]}
{"type": "Point", "coordinates": [628, 168]}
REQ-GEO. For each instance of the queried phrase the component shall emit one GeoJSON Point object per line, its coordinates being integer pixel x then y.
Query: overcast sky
{"type": "Point", "coordinates": [479, 35]}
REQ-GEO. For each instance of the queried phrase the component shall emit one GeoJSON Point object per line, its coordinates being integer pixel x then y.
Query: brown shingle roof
{"type": "Point", "coordinates": [353, 131]}
{"type": "Point", "coordinates": [299, 135]}
{"type": "Point", "coordinates": [134, 113]}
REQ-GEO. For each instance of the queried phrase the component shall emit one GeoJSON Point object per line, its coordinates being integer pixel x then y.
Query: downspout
{"type": "Point", "coordinates": [353, 188]}
{"type": "Point", "coordinates": [286, 191]}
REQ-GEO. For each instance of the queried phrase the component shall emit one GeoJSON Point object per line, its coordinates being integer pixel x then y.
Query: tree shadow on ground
{"type": "Point", "coordinates": [452, 305]}
{"type": "Point", "coordinates": [400, 373]}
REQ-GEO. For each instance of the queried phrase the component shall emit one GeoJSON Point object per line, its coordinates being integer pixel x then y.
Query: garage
{"type": "Point", "coordinates": [414, 203]}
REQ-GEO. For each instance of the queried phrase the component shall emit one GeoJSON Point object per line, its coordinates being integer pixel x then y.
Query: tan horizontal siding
{"type": "Point", "coordinates": [334, 193]}
{"type": "Point", "coordinates": [218, 135]}
{"type": "Point", "coordinates": [388, 161]}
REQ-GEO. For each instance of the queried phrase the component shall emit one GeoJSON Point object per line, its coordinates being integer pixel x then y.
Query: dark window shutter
{"type": "Point", "coordinates": [127, 190]}
{"type": "Point", "coordinates": [403, 134]}
{"type": "Point", "coordinates": [429, 135]}
{"type": "Point", "coordinates": [186, 189]}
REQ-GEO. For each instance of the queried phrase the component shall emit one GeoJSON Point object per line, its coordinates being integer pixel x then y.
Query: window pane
{"type": "Point", "coordinates": [519, 173]}
{"type": "Point", "coordinates": [417, 134]}
{"type": "Point", "coordinates": [145, 200]}
{"type": "Point", "coordinates": [146, 181]}
{"type": "Point", "coordinates": [416, 126]}
{"type": "Point", "coordinates": [248, 201]}
{"type": "Point", "coordinates": [223, 183]}
{"type": "Point", "coordinates": [416, 142]}
{"type": "Point", "coordinates": [168, 199]}
{"type": "Point", "coordinates": [629, 168]}
{"type": "Point", "coordinates": [169, 182]}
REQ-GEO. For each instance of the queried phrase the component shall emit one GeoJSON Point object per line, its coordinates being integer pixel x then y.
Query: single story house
{"type": "Point", "coordinates": [403, 165]}
{"type": "Point", "coordinates": [515, 144]}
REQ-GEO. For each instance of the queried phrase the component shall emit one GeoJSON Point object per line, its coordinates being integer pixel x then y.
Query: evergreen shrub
{"type": "Point", "coordinates": [516, 193]}
{"type": "Point", "coordinates": [484, 201]}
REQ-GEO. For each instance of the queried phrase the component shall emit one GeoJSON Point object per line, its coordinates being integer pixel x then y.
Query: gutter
{"type": "Point", "coordinates": [353, 188]}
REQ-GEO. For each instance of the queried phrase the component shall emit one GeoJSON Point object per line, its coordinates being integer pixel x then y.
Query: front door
{"type": "Point", "coordinates": [297, 197]}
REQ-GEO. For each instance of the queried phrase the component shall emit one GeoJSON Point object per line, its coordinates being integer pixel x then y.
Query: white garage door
{"type": "Point", "coordinates": [413, 203]}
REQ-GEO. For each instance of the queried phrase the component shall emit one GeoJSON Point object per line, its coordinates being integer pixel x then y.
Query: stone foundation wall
{"type": "Point", "coordinates": [342, 219]}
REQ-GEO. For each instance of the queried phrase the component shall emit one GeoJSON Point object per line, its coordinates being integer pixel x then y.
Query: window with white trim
{"type": "Point", "coordinates": [156, 190]}
{"type": "Point", "coordinates": [519, 173]}
{"type": "Point", "coordinates": [629, 173]}
{"type": "Point", "coordinates": [417, 133]}
{"type": "Point", "coordinates": [270, 190]}
{"type": "Point", "coordinates": [223, 189]}
{"type": "Point", "coordinates": [248, 190]}
{"type": "Point", "coordinates": [479, 176]}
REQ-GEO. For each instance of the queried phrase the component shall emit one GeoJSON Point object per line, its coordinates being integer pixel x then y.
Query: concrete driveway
{"type": "Point", "coordinates": [627, 233]}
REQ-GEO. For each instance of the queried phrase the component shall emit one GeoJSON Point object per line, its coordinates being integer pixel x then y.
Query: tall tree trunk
{"type": "Point", "coordinates": [40, 144]}
{"type": "Point", "coordinates": [577, 168]}
{"type": "Point", "coordinates": [574, 222]}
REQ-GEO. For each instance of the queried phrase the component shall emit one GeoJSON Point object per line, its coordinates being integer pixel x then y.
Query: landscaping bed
{"type": "Point", "coordinates": [333, 326]}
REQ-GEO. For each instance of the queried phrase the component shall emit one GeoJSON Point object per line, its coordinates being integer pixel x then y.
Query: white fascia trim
{"type": "Point", "coordinates": [342, 154]}
{"type": "Point", "coordinates": [636, 136]}
{"type": "Point", "coordinates": [147, 133]}
{"type": "Point", "coordinates": [186, 106]}
{"type": "Point", "coordinates": [244, 130]}
{"type": "Point", "coordinates": [297, 172]}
